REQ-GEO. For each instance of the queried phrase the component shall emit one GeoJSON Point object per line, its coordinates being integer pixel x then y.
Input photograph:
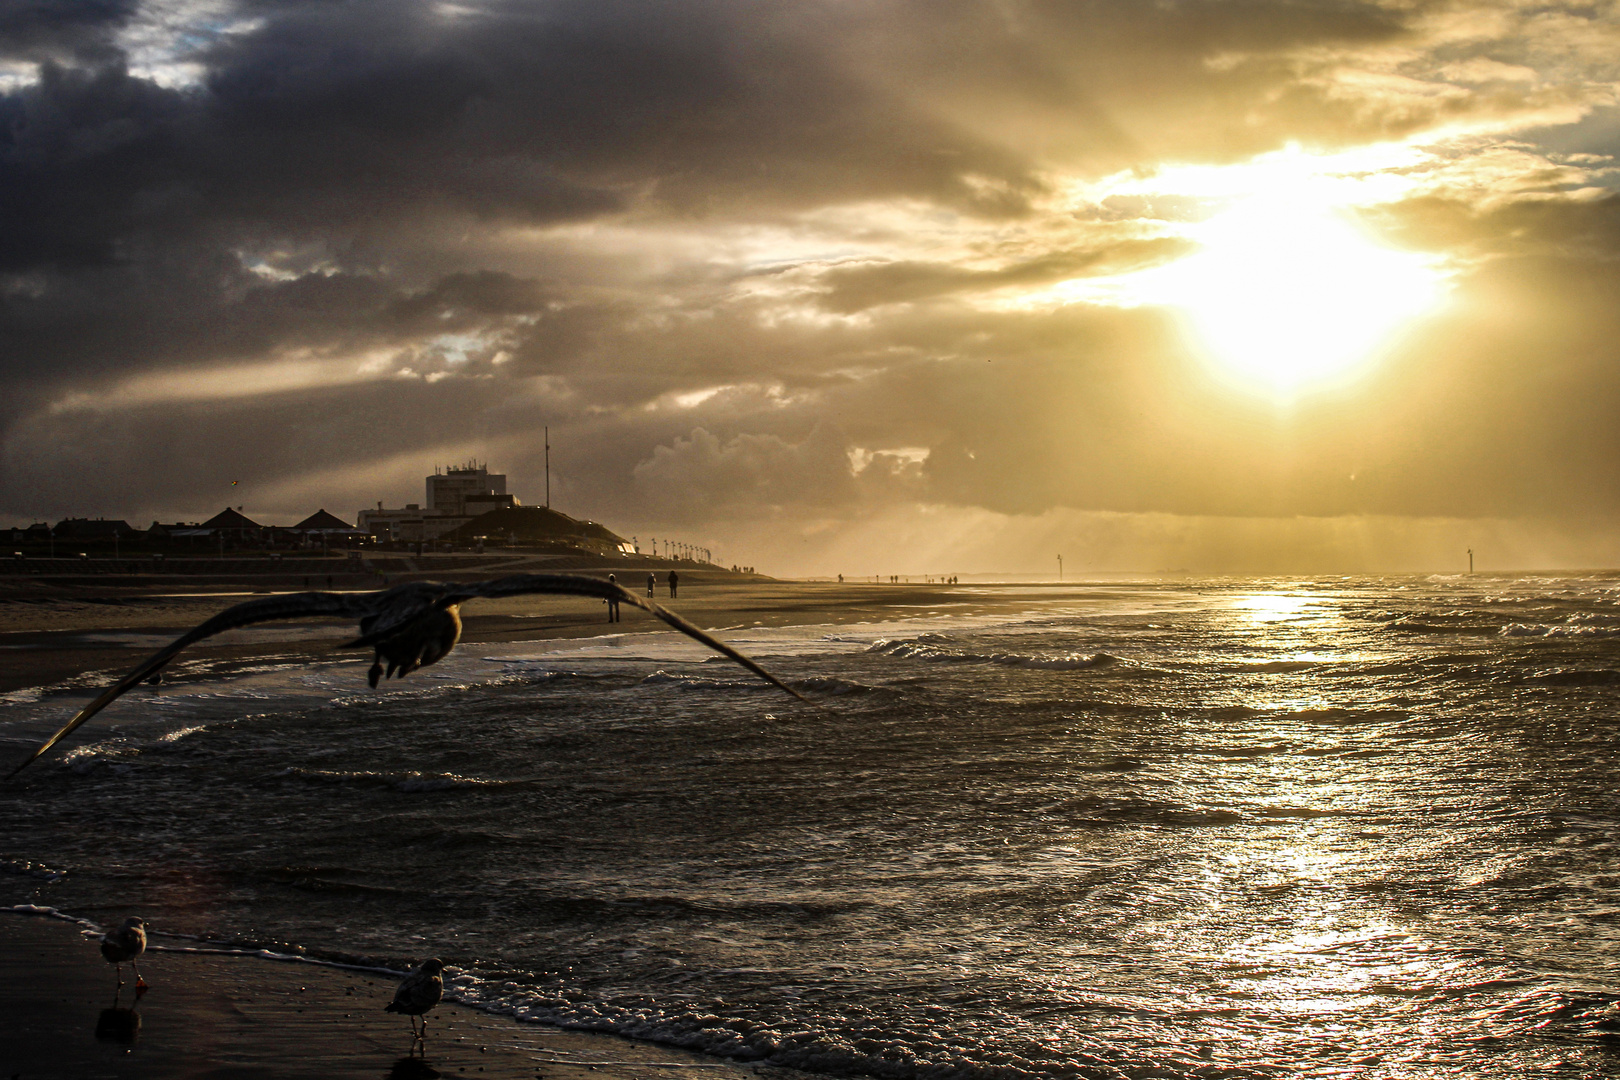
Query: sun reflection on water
{"type": "Point", "coordinates": [1273, 607]}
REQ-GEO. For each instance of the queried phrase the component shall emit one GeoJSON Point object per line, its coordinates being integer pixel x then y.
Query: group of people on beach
{"type": "Point", "coordinates": [674, 580]}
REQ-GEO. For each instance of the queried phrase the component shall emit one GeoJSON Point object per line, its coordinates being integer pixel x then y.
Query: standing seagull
{"type": "Point", "coordinates": [410, 626]}
{"type": "Point", "coordinates": [124, 945]}
{"type": "Point", "coordinates": [420, 991]}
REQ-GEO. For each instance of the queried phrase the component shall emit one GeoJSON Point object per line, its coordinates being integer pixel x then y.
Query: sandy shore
{"type": "Point", "coordinates": [82, 635]}
{"type": "Point", "coordinates": [225, 1017]}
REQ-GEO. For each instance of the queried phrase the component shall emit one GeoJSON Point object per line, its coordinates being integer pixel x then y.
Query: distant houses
{"type": "Point", "coordinates": [229, 529]}
{"type": "Point", "coordinates": [466, 506]}
{"type": "Point", "coordinates": [91, 530]}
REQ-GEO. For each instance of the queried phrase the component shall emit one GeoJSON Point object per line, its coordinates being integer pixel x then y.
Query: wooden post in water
{"type": "Point", "coordinates": [1060, 568]}
{"type": "Point", "coordinates": [1470, 560]}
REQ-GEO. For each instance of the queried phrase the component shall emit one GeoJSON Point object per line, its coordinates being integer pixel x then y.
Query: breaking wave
{"type": "Point", "coordinates": [923, 649]}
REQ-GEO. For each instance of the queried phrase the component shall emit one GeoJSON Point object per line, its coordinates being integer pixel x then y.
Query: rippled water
{"type": "Point", "coordinates": [1346, 827]}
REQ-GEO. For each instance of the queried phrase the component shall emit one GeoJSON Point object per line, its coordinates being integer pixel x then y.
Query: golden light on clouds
{"type": "Point", "coordinates": [1286, 291]}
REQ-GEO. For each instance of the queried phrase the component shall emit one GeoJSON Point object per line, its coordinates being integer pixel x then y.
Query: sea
{"type": "Point", "coordinates": [1281, 827]}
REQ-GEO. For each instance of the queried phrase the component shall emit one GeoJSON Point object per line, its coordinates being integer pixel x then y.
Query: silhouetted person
{"type": "Point", "coordinates": [652, 584]}
{"type": "Point", "coordinates": [674, 581]}
{"type": "Point", "coordinates": [613, 605]}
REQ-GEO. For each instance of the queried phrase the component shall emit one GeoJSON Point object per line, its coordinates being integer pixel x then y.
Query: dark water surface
{"type": "Point", "coordinates": [1236, 828]}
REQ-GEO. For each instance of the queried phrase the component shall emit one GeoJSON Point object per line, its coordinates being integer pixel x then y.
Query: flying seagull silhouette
{"type": "Point", "coordinates": [410, 626]}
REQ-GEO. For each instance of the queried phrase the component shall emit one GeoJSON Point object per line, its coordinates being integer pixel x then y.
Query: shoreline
{"type": "Point", "coordinates": [234, 1017]}
{"type": "Point", "coordinates": [68, 639]}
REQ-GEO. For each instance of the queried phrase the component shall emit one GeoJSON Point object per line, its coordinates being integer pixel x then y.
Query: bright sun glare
{"type": "Point", "coordinates": [1286, 292]}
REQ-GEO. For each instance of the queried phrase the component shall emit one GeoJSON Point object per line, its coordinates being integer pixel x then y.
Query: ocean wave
{"type": "Point", "coordinates": [112, 754]}
{"type": "Point", "coordinates": [786, 1045]}
{"type": "Point", "coordinates": [933, 651]}
{"type": "Point", "coordinates": [180, 733]}
{"type": "Point", "coordinates": [43, 911]}
{"type": "Point", "coordinates": [1277, 667]}
{"type": "Point", "coordinates": [1557, 630]}
{"type": "Point", "coordinates": [1431, 624]}
{"type": "Point", "coordinates": [31, 869]}
{"type": "Point", "coordinates": [692, 682]}
{"type": "Point", "coordinates": [1574, 677]}
{"type": "Point", "coordinates": [400, 781]}
{"type": "Point", "coordinates": [826, 684]}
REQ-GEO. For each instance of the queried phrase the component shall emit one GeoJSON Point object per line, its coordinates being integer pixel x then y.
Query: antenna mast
{"type": "Point", "coordinates": [548, 468]}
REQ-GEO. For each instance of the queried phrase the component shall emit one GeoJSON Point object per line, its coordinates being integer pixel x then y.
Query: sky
{"type": "Point", "coordinates": [831, 286]}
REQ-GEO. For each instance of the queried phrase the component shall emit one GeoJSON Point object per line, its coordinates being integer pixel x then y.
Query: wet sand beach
{"type": "Point", "coordinates": [85, 634]}
{"type": "Point", "coordinates": [224, 1017]}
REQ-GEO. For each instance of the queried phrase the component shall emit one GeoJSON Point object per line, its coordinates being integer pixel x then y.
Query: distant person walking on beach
{"type": "Point", "coordinates": [613, 605]}
{"type": "Point", "coordinates": [652, 584]}
{"type": "Point", "coordinates": [674, 580]}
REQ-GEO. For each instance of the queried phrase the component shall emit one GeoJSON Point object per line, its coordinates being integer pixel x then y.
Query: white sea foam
{"type": "Point", "coordinates": [1557, 630]}
{"type": "Point", "coordinates": [399, 781]}
{"type": "Point", "coordinates": [921, 649]}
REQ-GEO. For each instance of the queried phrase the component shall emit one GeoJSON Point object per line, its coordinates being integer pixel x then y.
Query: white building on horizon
{"type": "Point", "coordinates": [455, 495]}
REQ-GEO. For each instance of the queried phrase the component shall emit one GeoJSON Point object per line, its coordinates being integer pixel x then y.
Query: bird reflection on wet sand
{"type": "Point", "coordinates": [119, 1025]}
{"type": "Point", "coordinates": [413, 1068]}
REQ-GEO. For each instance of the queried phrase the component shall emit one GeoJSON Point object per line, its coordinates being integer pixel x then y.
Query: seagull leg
{"type": "Point", "coordinates": [140, 983]}
{"type": "Point", "coordinates": [119, 970]}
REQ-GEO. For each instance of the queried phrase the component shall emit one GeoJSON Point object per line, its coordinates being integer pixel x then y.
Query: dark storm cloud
{"type": "Point", "coordinates": [340, 120]}
{"type": "Point", "coordinates": [49, 29]}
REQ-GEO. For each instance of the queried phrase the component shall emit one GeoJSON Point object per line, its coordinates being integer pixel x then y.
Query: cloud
{"type": "Point", "coordinates": [853, 288]}
{"type": "Point", "coordinates": [805, 263]}
{"type": "Point", "coordinates": [699, 477]}
{"type": "Point", "coordinates": [40, 30]}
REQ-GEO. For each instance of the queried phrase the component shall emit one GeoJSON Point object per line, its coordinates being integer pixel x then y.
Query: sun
{"type": "Point", "coordinates": [1286, 292]}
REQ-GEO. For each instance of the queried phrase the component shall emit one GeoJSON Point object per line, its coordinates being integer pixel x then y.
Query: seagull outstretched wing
{"type": "Point", "coordinates": [390, 615]}
{"type": "Point", "coordinates": [568, 584]}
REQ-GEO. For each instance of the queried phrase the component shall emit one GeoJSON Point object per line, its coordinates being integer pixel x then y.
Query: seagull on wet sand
{"type": "Point", "coordinates": [420, 991]}
{"type": "Point", "coordinates": [123, 945]}
{"type": "Point", "coordinates": [410, 626]}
